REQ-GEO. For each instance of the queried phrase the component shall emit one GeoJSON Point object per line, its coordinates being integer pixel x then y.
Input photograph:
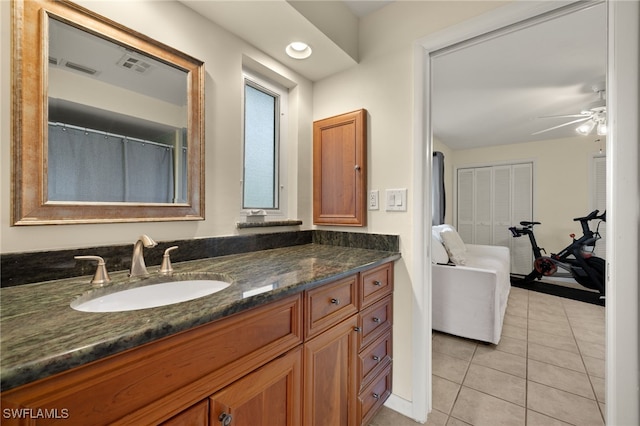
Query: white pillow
{"type": "Point", "coordinates": [437, 229]}
{"type": "Point", "coordinates": [455, 246]}
{"type": "Point", "coordinates": [438, 252]}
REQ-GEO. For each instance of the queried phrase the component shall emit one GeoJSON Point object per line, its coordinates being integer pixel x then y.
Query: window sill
{"type": "Point", "coordinates": [266, 224]}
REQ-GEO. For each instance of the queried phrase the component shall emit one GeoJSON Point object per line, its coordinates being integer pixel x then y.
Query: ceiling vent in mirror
{"type": "Point", "coordinates": [134, 63]}
{"type": "Point", "coordinates": [81, 68]}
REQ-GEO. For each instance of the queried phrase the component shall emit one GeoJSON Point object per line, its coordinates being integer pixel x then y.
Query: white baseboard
{"type": "Point", "coordinates": [400, 405]}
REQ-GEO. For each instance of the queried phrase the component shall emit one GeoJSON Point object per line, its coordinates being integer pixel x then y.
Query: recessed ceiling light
{"type": "Point", "coordinates": [298, 50]}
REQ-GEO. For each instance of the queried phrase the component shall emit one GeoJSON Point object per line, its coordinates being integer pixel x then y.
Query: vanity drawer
{"type": "Point", "coordinates": [374, 395]}
{"type": "Point", "coordinates": [326, 306]}
{"type": "Point", "coordinates": [375, 284]}
{"type": "Point", "coordinates": [374, 320]}
{"type": "Point", "coordinates": [374, 358]}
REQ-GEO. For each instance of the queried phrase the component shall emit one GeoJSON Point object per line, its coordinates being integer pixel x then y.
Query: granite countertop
{"type": "Point", "coordinates": [42, 335]}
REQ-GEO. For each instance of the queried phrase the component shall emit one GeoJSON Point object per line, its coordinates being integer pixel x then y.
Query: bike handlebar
{"type": "Point", "coordinates": [591, 216]}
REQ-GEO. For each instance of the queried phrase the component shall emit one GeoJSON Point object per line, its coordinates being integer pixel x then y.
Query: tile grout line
{"type": "Point", "coordinates": [595, 395]}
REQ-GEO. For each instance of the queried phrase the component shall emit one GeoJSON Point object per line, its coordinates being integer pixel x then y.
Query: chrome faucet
{"type": "Point", "coordinates": [138, 268]}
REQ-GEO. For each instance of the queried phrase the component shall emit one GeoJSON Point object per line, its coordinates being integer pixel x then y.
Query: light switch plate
{"type": "Point", "coordinates": [373, 199]}
{"type": "Point", "coordinates": [396, 200]}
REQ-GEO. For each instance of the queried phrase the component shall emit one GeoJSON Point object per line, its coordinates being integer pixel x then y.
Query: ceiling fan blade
{"type": "Point", "coordinates": [566, 116]}
{"type": "Point", "coordinates": [562, 125]}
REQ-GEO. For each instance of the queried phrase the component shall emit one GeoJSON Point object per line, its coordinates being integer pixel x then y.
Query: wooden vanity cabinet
{"type": "Point", "coordinates": [155, 382]}
{"type": "Point", "coordinates": [195, 415]}
{"type": "Point", "coordinates": [322, 357]}
{"type": "Point", "coordinates": [375, 321]}
{"type": "Point", "coordinates": [347, 360]}
{"type": "Point", "coordinates": [270, 396]}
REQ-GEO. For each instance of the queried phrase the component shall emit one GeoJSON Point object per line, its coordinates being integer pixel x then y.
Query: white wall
{"type": "Point", "coordinates": [382, 83]}
{"type": "Point", "coordinates": [223, 53]}
{"type": "Point", "coordinates": [560, 181]}
{"type": "Point", "coordinates": [89, 91]}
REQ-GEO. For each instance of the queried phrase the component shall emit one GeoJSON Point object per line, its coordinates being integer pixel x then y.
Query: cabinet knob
{"type": "Point", "coordinates": [357, 167]}
{"type": "Point", "coordinates": [375, 396]}
{"type": "Point", "coordinates": [377, 283]}
{"type": "Point", "coordinates": [376, 358]}
{"type": "Point", "coordinates": [357, 329]}
{"type": "Point", "coordinates": [225, 419]}
{"type": "Point", "coordinates": [335, 301]}
{"type": "Point", "coordinates": [375, 319]}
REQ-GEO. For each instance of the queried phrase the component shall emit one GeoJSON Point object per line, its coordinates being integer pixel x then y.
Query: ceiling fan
{"type": "Point", "coordinates": [594, 116]}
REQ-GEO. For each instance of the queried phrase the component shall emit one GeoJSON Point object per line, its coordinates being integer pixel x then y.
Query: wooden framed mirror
{"type": "Point", "coordinates": [108, 124]}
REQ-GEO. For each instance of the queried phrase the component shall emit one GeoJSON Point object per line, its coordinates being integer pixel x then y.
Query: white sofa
{"type": "Point", "coordinates": [470, 286]}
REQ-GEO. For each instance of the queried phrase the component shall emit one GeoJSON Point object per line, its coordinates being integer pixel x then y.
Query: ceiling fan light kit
{"type": "Point", "coordinates": [590, 118]}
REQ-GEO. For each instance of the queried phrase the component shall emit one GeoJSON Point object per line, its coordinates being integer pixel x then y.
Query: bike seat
{"type": "Point", "coordinates": [529, 223]}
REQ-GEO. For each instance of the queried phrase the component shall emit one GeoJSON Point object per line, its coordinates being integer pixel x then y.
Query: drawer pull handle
{"type": "Point", "coordinates": [377, 283]}
{"type": "Point", "coordinates": [375, 396]}
{"type": "Point", "coordinates": [376, 358]}
{"type": "Point", "coordinates": [375, 319]}
{"type": "Point", "coordinates": [357, 329]}
{"type": "Point", "coordinates": [335, 301]}
{"type": "Point", "coordinates": [225, 419]}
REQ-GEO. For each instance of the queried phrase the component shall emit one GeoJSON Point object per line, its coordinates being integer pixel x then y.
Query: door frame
{"type": "Point", "coordinates": [622, 97]}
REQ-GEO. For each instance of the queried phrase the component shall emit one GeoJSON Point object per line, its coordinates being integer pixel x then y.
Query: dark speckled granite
{"type": "Point", "coordinates": [42, 335]}
{"type": "Point", "coordinates": [33, 267]}
{"type": "Point", "coordinates": [267, 224]}
{"type": "Point", "coordinates": [357, 240]}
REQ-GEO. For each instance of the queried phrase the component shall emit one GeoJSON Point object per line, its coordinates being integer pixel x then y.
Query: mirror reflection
{"type": "Point", "coordinates": [117, 122]}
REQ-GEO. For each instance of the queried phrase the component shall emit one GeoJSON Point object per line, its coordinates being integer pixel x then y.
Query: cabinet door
{"type": "Point", "coordinates": [270, 396]}
{"type": "Point", "coordinates": [339, 170]}
{"type": "Point", "coordinates": [330, 376]}
{"type": "Point", "coordinates": [198, 415]}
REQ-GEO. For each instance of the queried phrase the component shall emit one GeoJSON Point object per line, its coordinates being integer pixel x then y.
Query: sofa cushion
{"type": "Point", "coordinates": [454, 246]}
{"type": "Point", "coordinates": [437, 229]}
{"type": "Point", "coordinates": [438, 252]}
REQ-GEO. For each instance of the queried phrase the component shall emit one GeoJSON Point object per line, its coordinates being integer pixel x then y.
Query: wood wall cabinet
{"type": "Point", "coordinates": [339, 170]}
{"type": "Point", "coordinates": [321, 357]}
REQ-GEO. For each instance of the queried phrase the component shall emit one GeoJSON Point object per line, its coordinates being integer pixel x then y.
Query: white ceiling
{"type": "Point", "coordinates": [489, 94]}
{"type": "Point", "coordinates": [494, 92]}
{"type": "Point", "coordinates": [362, 8]}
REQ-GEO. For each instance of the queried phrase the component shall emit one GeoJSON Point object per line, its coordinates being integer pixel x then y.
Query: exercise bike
{"type": "Point", "coordinates": [577, 258]}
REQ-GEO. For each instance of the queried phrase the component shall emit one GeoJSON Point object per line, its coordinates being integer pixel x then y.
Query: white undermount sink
{"type": "Point", "coordinates": [149, 296]}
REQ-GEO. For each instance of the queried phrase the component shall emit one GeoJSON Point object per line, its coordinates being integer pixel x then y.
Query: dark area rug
{"type": "Point", "coordinates": [559, 290]}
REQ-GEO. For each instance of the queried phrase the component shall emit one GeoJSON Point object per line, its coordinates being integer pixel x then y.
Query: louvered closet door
{"type": "Point", "coordinates": [466, 190]}
{"type": "Point", "coordinates": [502, 206]}
{"type": "Point", "coordinates": [521, 209]}
{"type": "Point", "coordinates": [483, 206]}
{"type": "Point", "coordinates": [489, 201]}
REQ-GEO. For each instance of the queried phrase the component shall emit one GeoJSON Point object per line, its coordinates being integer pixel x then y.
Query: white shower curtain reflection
{"type": "Point", "coordinates": [92, 166]}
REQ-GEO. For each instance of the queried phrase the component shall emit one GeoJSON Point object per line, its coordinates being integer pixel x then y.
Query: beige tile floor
{"type": "Point", "coordinates": [547, 370]}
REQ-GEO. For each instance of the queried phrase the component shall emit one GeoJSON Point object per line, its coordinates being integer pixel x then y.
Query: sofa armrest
{"type": "Point", "coordinates": [467, 302]}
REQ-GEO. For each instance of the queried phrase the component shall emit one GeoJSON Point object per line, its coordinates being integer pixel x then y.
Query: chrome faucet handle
{"type": "Point", "coordinates": [166, 268]}
{"type": "Point", "coordinates": [101, 277]}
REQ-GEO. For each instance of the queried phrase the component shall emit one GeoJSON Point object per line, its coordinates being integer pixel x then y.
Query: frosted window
{"type": "Point", "coordinates": [260, 149]}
